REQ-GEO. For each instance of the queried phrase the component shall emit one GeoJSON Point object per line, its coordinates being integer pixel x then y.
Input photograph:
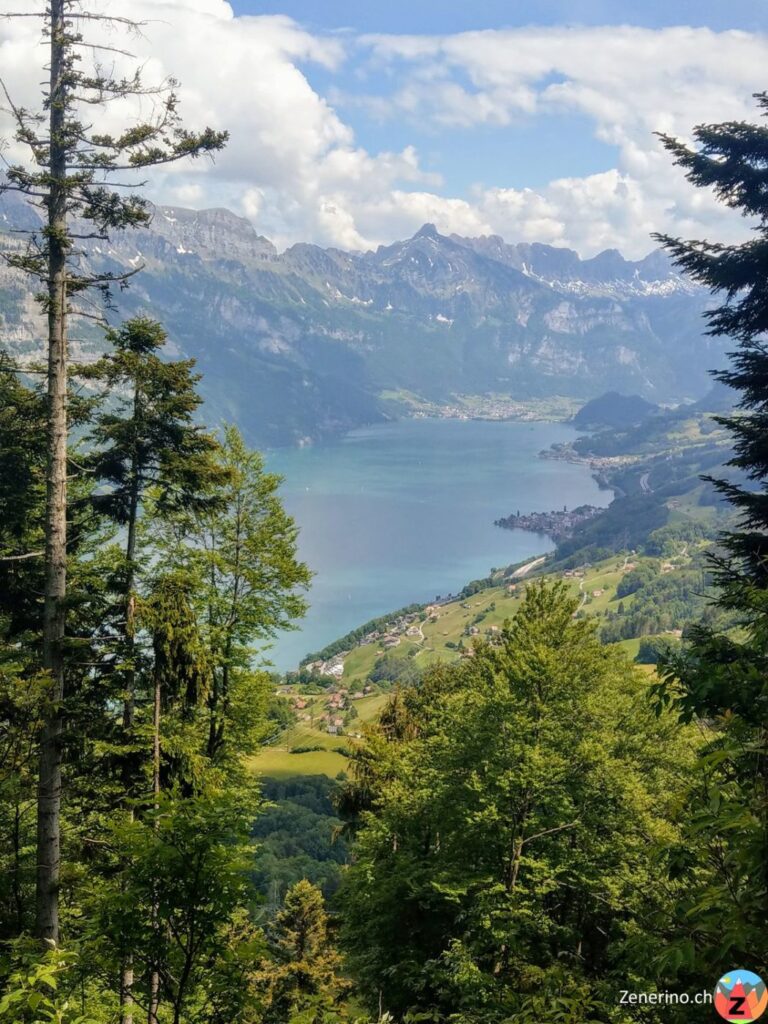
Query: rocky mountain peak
{"type": "Point", "coordinates": [216, 234]}
{"type": "Point", "coordinates": [305, 342]}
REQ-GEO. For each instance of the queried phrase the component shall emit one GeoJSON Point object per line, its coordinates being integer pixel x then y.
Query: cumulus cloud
{"type": "Point", "coordinates": [292, 164]}
{"type": "Point", "coordinates": [628, 82]}
{"type": "Point", "coordinates": [295, 168]}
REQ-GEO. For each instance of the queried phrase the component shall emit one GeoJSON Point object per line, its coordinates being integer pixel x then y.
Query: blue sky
{"type": "Point", "coordinates": [523, 150]}
{"type": "Point", "coordinates": [431, 16]}
{"type": "Point", "coordinates": [529, 153]}
{"type": "Point", "coordinates": [353, 123]}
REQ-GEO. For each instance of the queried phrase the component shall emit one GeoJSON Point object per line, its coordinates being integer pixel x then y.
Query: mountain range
{"type": "Point", "coordinates": [310, 342]}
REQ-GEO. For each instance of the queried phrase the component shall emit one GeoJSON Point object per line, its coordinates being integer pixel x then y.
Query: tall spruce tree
{"type": "Point", "coordinates": [732, 159]}
{"type": "Point", "coordinates": [70, 174]}
{"type": "Point", "coordinates": [722, 679]}
{"type": "Point", "coordinates": [146, 438]}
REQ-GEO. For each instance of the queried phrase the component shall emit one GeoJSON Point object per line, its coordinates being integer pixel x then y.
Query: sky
{"type": "Point", "coordinates": [353, 123]}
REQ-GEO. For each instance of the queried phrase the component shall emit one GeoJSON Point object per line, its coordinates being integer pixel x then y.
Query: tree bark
{"type": "Point", "coordinates": [16, 872]}
{"type": "Point", "coordinates": [129, 702]}
{"type": "Point", "coordinates": [130, 580]}
{"type": "Point", "coordinates": [154, 977]}
{"type": "Point", "coordinates": [49, 781]}
{"type": "Point", "coordinates": [126, 991]}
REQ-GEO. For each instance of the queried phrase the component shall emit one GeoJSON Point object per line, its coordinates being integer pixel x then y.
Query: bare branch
{"type": "Point", "coordinates": [548, 832]}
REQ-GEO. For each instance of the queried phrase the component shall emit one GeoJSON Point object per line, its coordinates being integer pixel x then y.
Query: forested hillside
{"type": "Point", "coordinates": [527, 828]}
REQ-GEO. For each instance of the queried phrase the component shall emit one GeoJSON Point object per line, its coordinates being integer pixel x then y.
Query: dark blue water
{"type": "Point", "coordinates": [404, 511]}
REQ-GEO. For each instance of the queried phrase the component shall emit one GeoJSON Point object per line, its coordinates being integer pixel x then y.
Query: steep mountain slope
{"type": "Point", "coordinates": [301, 344]}
{"type": "Point", "coordinates": [613, 410]}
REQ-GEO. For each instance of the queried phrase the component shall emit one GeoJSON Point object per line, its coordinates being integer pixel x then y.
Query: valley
{"type": "Point", "coordinates": [638, 569]}
{"type": "Point", "coordinates": [383, 590]}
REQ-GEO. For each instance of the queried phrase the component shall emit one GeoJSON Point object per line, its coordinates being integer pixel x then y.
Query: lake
{"type": "Point", "coordinates": [402, 512]}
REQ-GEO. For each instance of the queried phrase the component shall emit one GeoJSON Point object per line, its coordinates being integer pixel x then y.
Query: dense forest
{"type": "Point", "coordinates": [522, 836]}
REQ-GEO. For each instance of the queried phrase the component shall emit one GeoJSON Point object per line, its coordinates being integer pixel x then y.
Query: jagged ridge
{"type": "Point", "coordinates": [301, 344]}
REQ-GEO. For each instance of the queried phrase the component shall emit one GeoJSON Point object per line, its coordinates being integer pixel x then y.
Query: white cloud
{"type": "Point", "coordinates": [629, 82]}
{"type": "Point", "coordinates": [294, 166]}
{"type": "Point", "coordinates": [291, 161]}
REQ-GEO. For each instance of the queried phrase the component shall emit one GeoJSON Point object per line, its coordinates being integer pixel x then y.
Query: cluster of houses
{"type": "Point", "coordinates": [337, 701]}
{"type": "Point", "coordinates": [387, 639]}
{"type": "Point", "coordinates": [404, 626]}
{"type": "Point", "coordinates": [556, 524]}
{"type": "Point", "coordinates": [335, 705]}
{"type": "Point", "coordinates": [334, 667]}
{"type": "Point", "coordinates": [485, 407]}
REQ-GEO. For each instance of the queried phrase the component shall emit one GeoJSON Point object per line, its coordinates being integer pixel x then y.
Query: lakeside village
{"type": "Point", "coordinates": [599, 464]}
{"type": "Point", "coordinates": [493, 409]}
{"type": "Point", "coordinates": [557, 525]}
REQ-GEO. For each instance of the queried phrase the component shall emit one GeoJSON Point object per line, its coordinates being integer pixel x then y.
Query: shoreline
{"type": "Point", "coordinates": [507, 464]}
{"type": "Point", "coordinates": [515, 412]}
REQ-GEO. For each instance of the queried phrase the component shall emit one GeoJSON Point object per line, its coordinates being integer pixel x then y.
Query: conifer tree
{"type": "Point", "coordinates": [722, 679]}
{"type": "Point", "coordinates": [304, 980]}
{"type": "Point", "coordinates": [146, 438]}
{"type": "Point", "coordinates": [70, 174]}
{"type": "Point", "coordinates": [180, 676]}
{"type": "Point", "coordinates": [731, 158]}
{"type": "Point", "coordinates": [22, 495]}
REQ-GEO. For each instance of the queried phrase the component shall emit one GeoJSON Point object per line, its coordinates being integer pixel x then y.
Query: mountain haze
{"type": "Point", "coordinates": [302, 344]}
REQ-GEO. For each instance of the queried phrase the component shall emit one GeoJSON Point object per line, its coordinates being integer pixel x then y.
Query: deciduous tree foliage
{"type": "Point", "coordinates": [507, 859]}
{"type": "Point", "coordinates": [242, 550]}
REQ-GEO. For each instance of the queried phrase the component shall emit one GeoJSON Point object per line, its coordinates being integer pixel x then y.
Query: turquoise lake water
{"type": "Point", "coordinates": [403, 512]}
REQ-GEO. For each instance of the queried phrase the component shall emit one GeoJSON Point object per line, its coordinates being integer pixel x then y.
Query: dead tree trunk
{"type": "Point", "coordinates": [154, 977]}
{"type": "Point", "coordinates": [129, 706]}
{"type": "Point", "coordinates": [49, 782]}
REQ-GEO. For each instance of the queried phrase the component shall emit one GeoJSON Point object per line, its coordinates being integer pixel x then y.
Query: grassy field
{"type": "Point", "coordinates": [278, 761]}
{"type": "Point", "coordinates": [487, 611]}
{"type": "Point", "coordinates": [460, 622]}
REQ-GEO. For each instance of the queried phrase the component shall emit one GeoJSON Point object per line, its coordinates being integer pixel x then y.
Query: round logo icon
{"type": "Point", "coordinates": [741, 996]}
